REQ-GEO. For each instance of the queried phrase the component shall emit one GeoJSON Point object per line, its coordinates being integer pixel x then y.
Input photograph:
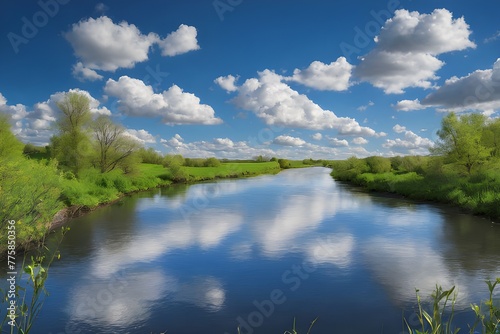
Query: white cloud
{"type": "Point", "coordinates": [288, 141]}
{"type": "Point", "coordinates": [180, 41]}
{"type": "Point", "coordinates": [493, 37]}
{"type": "Point", "coordinates": [317, 136]}
{"type": "Point", "coordinates": [101, 44]}
{"type": "Point", "coordinates": [142, 136]}
{"type": "Point", "coordinates": [399, 128]}
{"type": "Point", "coordinates": [218, 147]}
{"type": "Point", "coordinates": [409, 105]}
{"type": "Point", "coordinates": [359, 141]}
{"type": "Point", "coordinates": [276, 103]}
{"type": "Point", "coordinates": [411, 143]}
{"type": "Point", "coordinates": [479, 90]}
{"type": "Point", "coordinates": [366, 106]}
{"type": "Point", "coordinates": [338, 142]}
{"type": "Point", "coordinates": [173, 106]}
{"type": "Point", "coordinates": [227, 83]}
{"type": "Point", "coordinates": [334, 76]}
{"type": "Point", "coordinates": [405, 55]}
{"type": "Point", "coordinates": [83, 73]}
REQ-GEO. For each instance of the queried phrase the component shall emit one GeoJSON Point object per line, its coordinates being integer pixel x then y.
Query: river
{"type": "Point", "coordinates": [259, 252]}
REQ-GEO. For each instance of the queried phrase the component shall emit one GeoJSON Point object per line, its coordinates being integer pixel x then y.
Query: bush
{"type": "Point", "coordinates": [211, 162]}
{"type": "Point", "coordinates": [378, 165]}
{"type": "Point", "coordinates": [284, 163]}
{"type": "Point", "coordinates": [150, 156]}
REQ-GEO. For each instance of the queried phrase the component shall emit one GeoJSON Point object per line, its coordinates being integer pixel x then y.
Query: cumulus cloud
{"type": "Point", "coordinates": [409, 105]}
{"type": "Point", "coordinates": [101, 44]}
{"type": "Point", "coordinates": [288, 141]}
{"type": "Point", "coordinates": [359, 141]}
{"type": "Point", "coordinates": [227, 83]}
{"type": "Point", "coordinates": [173, 106]}
{"type": "Point", "coordinates": [480, 90]}
{"type": "Point", "coordinates": [338, 142]}
{"type": "Point", "coordinates": [142, 136]}
{"type": "Point", "coordinates": [276, 103]}
{"type": "Point", "coordinates": [317, 136]}
{"type": "Point", "coordinates": [405, 55]}
{"type": "Point", "coordinates": [399, 128]}
{"type": "Point", "coordinates": [83, 73]}
{"type": "Point", "coordinates": [411, 143]}
{"type": "Point", "coordinates": [180, 41]}
{"type": "Point", "coordinates": [334, 76]}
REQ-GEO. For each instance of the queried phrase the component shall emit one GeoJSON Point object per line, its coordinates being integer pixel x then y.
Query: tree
{"type": "Point", "coordinates": [10, 146]}
{"type": "Point", "coordinates": [491, 137]}
{"type": "Point", "coordinates": [211, 162]}
{"type": "Point", "coordinates": [113, 148]}
{"type": "Point", "coordinates": [72, 145]}
{"type": "Point", "coordinates": [461, 140]}
{"type": "Point", "coordinates": [378, 164]}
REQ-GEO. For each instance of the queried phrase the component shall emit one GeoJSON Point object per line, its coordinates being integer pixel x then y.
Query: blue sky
{"type": "Point", "coordinates": [241, 78]}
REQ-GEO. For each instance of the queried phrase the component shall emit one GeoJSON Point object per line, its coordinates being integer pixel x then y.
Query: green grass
{"type": "Point", "coordinates": [230, 170]}
{"type": "Point", "coordinates": [478, 193]}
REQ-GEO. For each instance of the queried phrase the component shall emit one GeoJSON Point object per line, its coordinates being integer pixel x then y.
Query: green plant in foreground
{"type": "Point", "coordinates": [434, 323]}
{"type": "Point", "coordinates": [30, 291]}
{"type": "Point", "coordinates": [490, 323]}
{"type": "Point", "coordinates": [294, 331]}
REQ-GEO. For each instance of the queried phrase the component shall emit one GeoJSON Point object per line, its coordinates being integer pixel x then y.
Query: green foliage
{"type": "Point", "coordinates": [378, 165]}
{"type": "Point", "coordinates": [72, 147]}
{"type": "Point", "coordinates": [169, 160]}
{"type": "Point", "coordinates": [31, 201]}
{"type": "Point", "coordinates": [150, 156]}
{"type": "Point", "coordinates": [10, 146]}
{"type": "Point", "coordinates": [112, 148]}
{"type": "Point", "coordinates": [441, 320]}
{"type": "Point", "coordinates": [229, 170]}
{"type": "Point", "coordinates": [346, 170]}
{"type": "Point", "coordinates": [461, 140]}
{"type": "Point", "coordinates": [284, 163]}
{"type": "Point", "coordinates": [211, 162]}
{"type": "Point", "coordinates": [30, 288]}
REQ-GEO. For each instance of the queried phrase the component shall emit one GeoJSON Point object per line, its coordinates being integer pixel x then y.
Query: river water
{"type": "Point", "coordinates": [259, 252]}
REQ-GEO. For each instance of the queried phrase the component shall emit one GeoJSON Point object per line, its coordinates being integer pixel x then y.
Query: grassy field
{"type": "Point", "coordinates": [231, 170]}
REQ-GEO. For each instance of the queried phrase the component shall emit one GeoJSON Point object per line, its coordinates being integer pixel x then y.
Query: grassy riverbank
{"type": "Point", "coordinates": [426, 178]}
{"type": "Point", "coordinates": [33, 202]}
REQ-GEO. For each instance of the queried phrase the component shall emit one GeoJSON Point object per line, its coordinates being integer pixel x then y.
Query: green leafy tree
{"type": "Point", "coordinates": [461, 140]}
{"type": "Point", "coordinates": [10, 146]}
{"type": "Point", "coordinates": [491, 137]}
{"type": "Point", "coordinates": [113, 149]}
{"type": "Point", "coordinates": [211, 162]}
{"type": "Point", "coordinates": [72, 146]}
{"type": "Point", "coordinates": [378, 164]}
{"type": "Point", "coordinates": [150, 156]}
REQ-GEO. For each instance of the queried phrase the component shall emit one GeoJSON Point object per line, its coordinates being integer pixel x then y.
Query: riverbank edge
{"type": "Point", "coordinates": [383, 192]}
{"type": "Point", "coordinates": [63, 216]}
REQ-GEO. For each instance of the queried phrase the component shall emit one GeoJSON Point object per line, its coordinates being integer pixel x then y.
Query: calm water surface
{"type": "Point", "coordinates": [258, 252]}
